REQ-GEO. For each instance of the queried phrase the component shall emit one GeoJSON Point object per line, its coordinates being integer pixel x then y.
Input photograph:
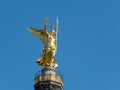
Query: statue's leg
{"type": "Point", "coordinates": [46, 51]}
{"type": "Point", "coordinates": [52, 59]}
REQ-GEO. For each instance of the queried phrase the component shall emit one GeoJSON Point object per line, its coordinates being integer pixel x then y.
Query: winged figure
{"type": "Point", "coordinates": [48, 56]}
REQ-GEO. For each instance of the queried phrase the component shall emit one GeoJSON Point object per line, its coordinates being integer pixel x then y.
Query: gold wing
{"type": "Point", "coordinates": [42, 34]}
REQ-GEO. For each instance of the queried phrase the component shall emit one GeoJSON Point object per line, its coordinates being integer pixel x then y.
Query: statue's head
{"type": "Point", "coordinates": [52, 32]}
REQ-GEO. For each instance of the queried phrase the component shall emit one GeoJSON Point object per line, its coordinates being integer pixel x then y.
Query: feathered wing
{"type": "Point", "coordinates": [42, 34]}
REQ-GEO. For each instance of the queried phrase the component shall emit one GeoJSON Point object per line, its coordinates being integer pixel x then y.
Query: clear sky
{"type": "Point", "coordinates": [88, 42]}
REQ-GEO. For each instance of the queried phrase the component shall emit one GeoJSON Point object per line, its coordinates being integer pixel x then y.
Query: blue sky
{"type": "Point", "coordinates": [88, 42]}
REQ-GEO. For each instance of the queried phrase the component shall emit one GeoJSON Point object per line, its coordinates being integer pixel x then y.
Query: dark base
{"type": "Point", "coordinates": [48, 85]}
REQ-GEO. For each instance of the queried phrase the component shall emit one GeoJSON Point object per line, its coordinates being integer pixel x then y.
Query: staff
{"type": "Point", "coordinates": [56, 30]}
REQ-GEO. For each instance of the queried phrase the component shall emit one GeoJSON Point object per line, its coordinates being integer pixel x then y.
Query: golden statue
{"type": "Point", "coordinates": [50, 41]}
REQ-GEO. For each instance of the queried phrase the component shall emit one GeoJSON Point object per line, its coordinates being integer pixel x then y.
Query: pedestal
{"type": "Point", "coordinates": [48, 79]}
